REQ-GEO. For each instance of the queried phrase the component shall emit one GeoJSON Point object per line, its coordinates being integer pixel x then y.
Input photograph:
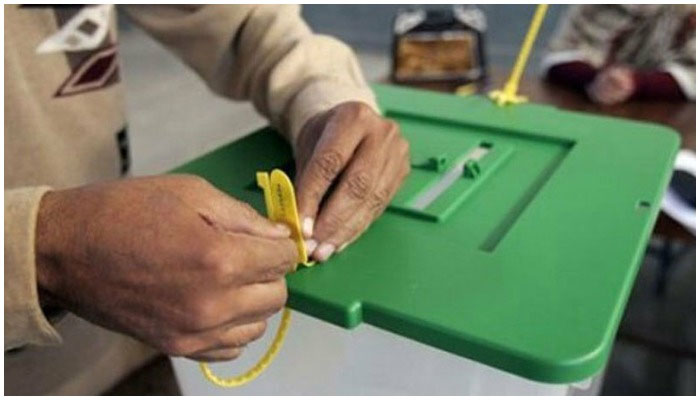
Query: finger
{"type": "Point", "coordinates": [236, 216]}
{"type": "Point", "coordinates": [235, 306]}
{"type": "Point", "coordinates": [238, 335]}
{"type": "Point", "coordinates": [220, 344]}
{"type": "Point", "coordinates": [355, 186]}
{"type": "Point", "coordinates": [387, 189]}
{"type": "Point", "coordinates": [252, 259]}
{"type": "Point", "coordinates": [389, 182]}
{"type": "Point", "coordinates": [361, 222]}
{"type": "Point", "coordinates": [256, 302]}
{"type": "Point", "coordinates": [325, 164]}
{"type": "Point", "coordinates": [358, 180]}
{"type": "Point", "coordinates": [219, 209]}
{"type": "Point", "coordinates": [217, 355]}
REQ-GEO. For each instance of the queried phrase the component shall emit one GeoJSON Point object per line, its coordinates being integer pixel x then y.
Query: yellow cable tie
{"type": "Point", "coordinates": [260, 366]}
{"type": "Point", "coordinates": [509, 93]}
{"type": "Point", "coordinates": [281, 206]}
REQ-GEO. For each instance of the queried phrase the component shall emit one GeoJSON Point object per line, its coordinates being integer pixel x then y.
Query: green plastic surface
{"type": "Point", "coordinates": [525, 265]}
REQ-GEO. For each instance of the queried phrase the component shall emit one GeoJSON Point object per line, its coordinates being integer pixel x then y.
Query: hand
{"type": "Point", "coordinates": [612, 86]}
{"type": "Point", "coordinates": [355, 160]}
{"type": "Point", "coordinates": [169, 260]}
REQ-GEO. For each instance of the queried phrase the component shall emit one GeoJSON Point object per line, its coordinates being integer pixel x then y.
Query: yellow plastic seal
{"type": "Point", "coordinates": [281, 205]}
{"type": "Point", "coordinates": [509, 93]}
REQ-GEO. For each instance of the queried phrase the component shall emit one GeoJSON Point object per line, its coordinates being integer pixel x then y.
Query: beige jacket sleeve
{"type": "Point", "coordinates": [263, 53]}
{"type": "Point", "coordinates": [25, 322]}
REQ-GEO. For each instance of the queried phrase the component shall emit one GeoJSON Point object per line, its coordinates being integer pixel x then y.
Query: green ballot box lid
{"type": "Point", "coordinates": [514, 241]}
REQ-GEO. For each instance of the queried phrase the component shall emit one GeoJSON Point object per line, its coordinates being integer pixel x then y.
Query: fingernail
{"type": "Point", "coordinates": [343, 246]}
{"type": "Point", "coordinates": [310, 246]}
{"type": "Point", "coordinates": [307, 227]}
{"type": "Point", "coordinates": [324, 251]}
{"type": "Point", "coordinates": [283, 229]}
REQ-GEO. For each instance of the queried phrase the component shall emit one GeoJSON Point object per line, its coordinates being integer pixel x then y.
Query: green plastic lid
{"type": "Point", "coordinates": [514, 242]}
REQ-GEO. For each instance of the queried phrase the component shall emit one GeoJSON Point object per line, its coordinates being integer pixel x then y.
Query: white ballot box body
{"type": "Point", "coordinates": [321, 359]}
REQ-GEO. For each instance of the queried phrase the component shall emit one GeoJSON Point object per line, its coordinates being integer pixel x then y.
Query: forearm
{"type": "Point", "coordinates": [263, 53]}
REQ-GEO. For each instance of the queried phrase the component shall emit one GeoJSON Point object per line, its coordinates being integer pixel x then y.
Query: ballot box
{"type": "Point", "coordinates": [502, 266]}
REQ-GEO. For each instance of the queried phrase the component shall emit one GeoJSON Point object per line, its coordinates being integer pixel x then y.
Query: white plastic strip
{"type": "Point", "coordinates": [428, 197]}
{"type": "Point", "coordinates": [684, 77]}
{"type": "Point", "coordinates": [672, 204]}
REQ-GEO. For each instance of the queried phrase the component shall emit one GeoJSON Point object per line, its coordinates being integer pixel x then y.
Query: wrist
{"type": "Point", "coordinates": [46, 249]}
{"type": "Point", "coordinates": [312, 128]}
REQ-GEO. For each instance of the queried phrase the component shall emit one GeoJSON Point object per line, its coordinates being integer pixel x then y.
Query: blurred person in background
{"type": "Point", "coordinates": [102, 270]}
{"type": "Point", "coordinates": [621, 52]}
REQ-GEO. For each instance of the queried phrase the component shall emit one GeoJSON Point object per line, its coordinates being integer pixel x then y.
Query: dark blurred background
{"type": "Point", "coordinates": [368, 29]}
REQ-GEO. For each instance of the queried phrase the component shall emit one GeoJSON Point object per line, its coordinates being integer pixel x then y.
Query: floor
{"type": "Point", "coordinates": [173, 118]}
{"type": "Point", "coordinates": [156, 378]}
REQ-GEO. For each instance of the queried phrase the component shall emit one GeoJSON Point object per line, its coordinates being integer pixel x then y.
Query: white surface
{"type": "Point", "coordinates": [672, 204]}
{"type": "Point", "coordinates": [321, 359]}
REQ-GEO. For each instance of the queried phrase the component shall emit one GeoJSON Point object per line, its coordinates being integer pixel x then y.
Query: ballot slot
{"type": "Point", "coordinates": [560, 151]}
{"type": "Point", "coordinates": [439, 184]}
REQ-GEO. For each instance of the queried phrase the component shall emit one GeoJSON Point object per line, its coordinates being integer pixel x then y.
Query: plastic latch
{"type": "Point", "coordinates": [472, 169]}
{"type": "Point", "coordinates": [281, 205]}
{"type": "Point", "coordinates": [436, 163]}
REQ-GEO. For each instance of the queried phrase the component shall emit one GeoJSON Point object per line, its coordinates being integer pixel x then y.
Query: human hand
{"type": "Point", "coordinates": [169, 260]}
{"type": "Point", "coordinates": [354, 159]}
{"type": "Point", "coordinates": [613, 85]}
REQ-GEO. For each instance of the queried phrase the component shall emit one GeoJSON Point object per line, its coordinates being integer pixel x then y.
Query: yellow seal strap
{"type": "Point", "coordinates": [509, 93]}
{"type": "Point", "coordinates": [281, 207]}
{"type": "Point", "coordinates": [260, 366]}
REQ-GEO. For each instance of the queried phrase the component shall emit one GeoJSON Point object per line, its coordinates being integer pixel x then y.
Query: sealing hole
{"type": "Point", "coordinates": [486, 145]}
{"type": "Point", "coordinates": [643, 205]}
